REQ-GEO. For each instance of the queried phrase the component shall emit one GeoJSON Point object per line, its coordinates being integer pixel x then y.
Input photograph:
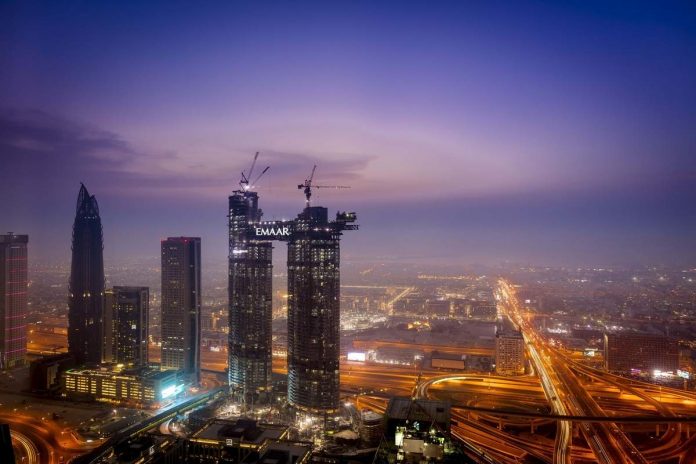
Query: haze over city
{"type": "Point", "coordinates": [499, 132]}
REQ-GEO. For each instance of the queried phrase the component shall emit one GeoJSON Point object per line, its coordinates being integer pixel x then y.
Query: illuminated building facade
{"type": "Point", "coordinates": [144, 387]}
{"type": "Point", "coordinates": [624, 352]}
{"type": "Point", "coordinates": [86, 297]}
{"type": "Point", "coordinates": [181, 305]}
{"type": "Point", "coordinates": [13, 300]}
{"type": "Point", "coordinates": [129, 313]}
{"type": "Point", "coordinates": [509, 353]}
{"type": "Point", "coordinates": [314, 309]}
{"type": "Point", "coordinates": [250, 299]}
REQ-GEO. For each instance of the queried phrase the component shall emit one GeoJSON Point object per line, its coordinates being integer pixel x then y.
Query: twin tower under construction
{"type": "Point", "coordinates": [313, 300]}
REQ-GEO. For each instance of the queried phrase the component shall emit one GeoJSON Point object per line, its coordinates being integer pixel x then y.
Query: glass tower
{"type": "Point", "coordinates": [86, 293]}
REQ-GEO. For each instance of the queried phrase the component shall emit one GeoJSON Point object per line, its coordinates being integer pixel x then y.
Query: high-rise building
{"type": "Point", "coordinates": [129, 310]}
{"type": "Point", "coordinates": [624, 352]}
{"type": "Point", "coordinates": [314, 309]}
{"type": "Point", "coordinates": [86, 299]}
{"type": "Point", "coordinates": [13, 300]}
{"type": "Point", "coordinates": [181, 305]}
{"type": "Point", "coordinates": [509, 353]}
{"type": "Point", "coordinates": [250, 299]}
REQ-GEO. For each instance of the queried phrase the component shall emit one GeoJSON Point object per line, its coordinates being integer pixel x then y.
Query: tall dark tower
{"type": "Point", "coordinates": [250, 299]}
{"type": "Point", "coordinates": [181, 305]}
{"type": "Point", "coordinates": [86, 301]}
{"type": "Point", "coordinates": [314, 309]}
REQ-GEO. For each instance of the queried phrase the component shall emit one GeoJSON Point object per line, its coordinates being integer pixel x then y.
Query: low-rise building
{"type": "Point", "coordinates": [242, 440]}
{"type": "Point", "coordinates": [141, 387]}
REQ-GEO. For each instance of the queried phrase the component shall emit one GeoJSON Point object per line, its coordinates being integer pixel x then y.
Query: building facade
{"type": "Point", "coordinates": [509, 353]}
{"type": "Point", "coordinates": [181, 305]}
{"type": "Point", "coordinates": [13, 300]}
{"type": "Point", "coordinates": [86, 293]}
{"type": "Point", "coordinates": [626, 352]}
{"type": "Point", "coordinates": [129, 317]}
{"type": "Point", "coordinates": [250, 300]}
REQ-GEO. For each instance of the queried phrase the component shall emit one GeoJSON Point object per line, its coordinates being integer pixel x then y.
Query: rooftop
{"type": "Point", "coordinates": [245, 430]}
{"type": "Point", "coordinates": [403, 408]}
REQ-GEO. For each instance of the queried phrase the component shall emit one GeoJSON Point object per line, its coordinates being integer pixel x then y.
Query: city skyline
{"type": "Point", "coordinates": [519, 281]}
{"type": "Point", "coordinates": [542, 135]}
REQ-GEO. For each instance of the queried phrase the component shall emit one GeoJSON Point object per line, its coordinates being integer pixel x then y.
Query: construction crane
{"type": "Point", "coordinates": [244, 182]}
{"type": "Point", "coordinates": [308, 186]}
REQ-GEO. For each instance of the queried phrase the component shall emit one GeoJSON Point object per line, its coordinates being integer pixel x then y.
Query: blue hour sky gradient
{"type": "Point", "coordinates": [469, 131]}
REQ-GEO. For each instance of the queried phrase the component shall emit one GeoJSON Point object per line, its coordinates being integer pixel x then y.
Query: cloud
{"type": "Point", "coordinates": [38, 139]}
{"type": "Point", "coordinates": [38, 146]}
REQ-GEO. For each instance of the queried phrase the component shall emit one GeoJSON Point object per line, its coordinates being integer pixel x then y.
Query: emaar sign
{"type": "Point", "coordinates": [273, 231]}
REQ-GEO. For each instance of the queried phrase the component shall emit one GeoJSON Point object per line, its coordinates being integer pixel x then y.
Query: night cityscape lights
{"type": "Point", "coordinates": [468, 235]}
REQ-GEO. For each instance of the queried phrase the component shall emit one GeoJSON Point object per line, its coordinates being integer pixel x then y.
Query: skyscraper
{"type": "Point", "coordinates": [314, 309]}
{"type": "Point", "coordinates": [86, 300]}
{"type": "Point", "coordinates": [130, 311]}
{"type": "Point", "coordinates": [181, 304]}
{"type": "Point", "coordinates": [250, 299]}
{"type": "Point", "coordinates": [13, 300]}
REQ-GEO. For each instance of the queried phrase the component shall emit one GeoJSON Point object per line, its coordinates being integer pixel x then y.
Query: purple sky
{"type": "Point", "coordinates": [468, 132]}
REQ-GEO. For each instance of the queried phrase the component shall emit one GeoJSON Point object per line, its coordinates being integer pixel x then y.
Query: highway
{"type": "Point", "coordinates": [549, 380]}
{"type": "Point", "coordinates": [609, 443]}
{"type": "Point", "coordinates": [564, 379]}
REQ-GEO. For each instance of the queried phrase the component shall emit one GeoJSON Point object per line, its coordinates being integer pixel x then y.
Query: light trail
{"type": "Point", "coordinates": [32, 454]}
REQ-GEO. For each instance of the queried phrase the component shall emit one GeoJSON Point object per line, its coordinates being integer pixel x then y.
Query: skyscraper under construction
{"type": "Point", "coordinates": [250, 299]}
{"type": "Point", "coordinates": [313, 299]}
{"type": "Point", "coordinates": [314, 309]}
{"type": "Point", "coordinates": [86, 299]}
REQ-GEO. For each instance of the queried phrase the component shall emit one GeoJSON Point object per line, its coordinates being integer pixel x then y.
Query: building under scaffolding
{"type": "Point", "coordinates": [314, 309]}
